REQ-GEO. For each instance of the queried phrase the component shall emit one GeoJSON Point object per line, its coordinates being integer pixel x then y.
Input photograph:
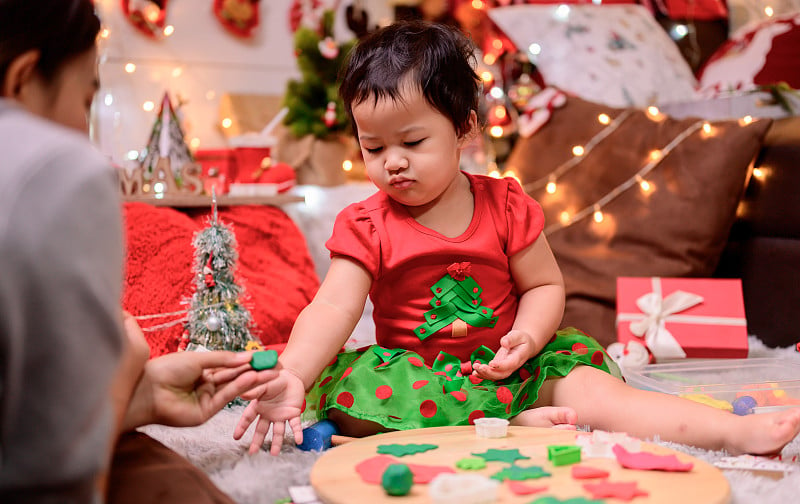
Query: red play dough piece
{"type": "Point", "coordinates": [650, 461]}
{"type": "Point", "coordinates": [371, 470]}
{"type": "Point", "coordinates": [520, 488]}
{"type": "Point", "coordinates": [587, 472]}
{"type": "Point", "coordinates": [620, 490]}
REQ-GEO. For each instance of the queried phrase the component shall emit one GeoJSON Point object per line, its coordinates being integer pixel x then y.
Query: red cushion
{"type": "Point", "coordinates": [274, 268]}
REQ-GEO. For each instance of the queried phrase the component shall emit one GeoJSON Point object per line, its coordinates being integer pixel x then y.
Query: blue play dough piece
{"type": "Point", "coordinates": [317, 437]}
{"type": "Point", "coordinates": [744, 405]}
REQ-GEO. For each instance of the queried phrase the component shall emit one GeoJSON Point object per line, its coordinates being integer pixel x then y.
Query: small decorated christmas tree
{"type": "Point", "coordinates": [217, 318]}
{"type": "Point", "coordinates": [166, 143]}
{"type": "Point", "coordinates": [313, 102]}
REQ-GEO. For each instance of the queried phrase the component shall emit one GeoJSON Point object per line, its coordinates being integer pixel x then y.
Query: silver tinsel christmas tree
{"type": "Point", "coordinates": [217, 318]}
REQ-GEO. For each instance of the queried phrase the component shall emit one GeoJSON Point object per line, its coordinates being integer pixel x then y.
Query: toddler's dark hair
{"type": "Point", "coordinates": [435, 57]}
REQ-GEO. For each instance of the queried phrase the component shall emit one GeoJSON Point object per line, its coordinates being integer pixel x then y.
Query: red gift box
{"type": "Point", "coordinates": [219, 169]}
{"type": "Point", "coordinates": [683, 317]}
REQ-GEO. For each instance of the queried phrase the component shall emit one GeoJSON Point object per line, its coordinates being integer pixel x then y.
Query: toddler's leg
{"type": "Point", "coordinates": [354, 427]}
{"type": "Point", "coordinates": [547, 416]}
{"type": "Point", "coordinates": [607, 403]}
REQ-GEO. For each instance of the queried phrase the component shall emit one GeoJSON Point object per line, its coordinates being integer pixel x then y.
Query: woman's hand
{"type": "Point", "coordinates": [187, 388]}
{"type": "Point", "coordinates": [281, 401]}
{"type": "Point", "coordinates": [516, 348]}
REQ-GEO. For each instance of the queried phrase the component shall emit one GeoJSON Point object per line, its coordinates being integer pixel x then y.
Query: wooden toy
{"type": "Point", "coordinates": [335, 480]}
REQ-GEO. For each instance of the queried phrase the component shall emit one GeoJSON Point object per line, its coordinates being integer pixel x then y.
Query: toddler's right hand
{"type": "Point", "coordinates": [281, 401]}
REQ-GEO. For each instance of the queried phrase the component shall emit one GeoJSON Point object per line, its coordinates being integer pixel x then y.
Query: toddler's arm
{"type": "Point", "coordinates": [317, 336]}
{"type": "Point", "coordinates": [541, 307]}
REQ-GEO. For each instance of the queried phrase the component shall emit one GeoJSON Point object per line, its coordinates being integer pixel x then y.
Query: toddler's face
{"type": "Point", "coordinates": [410, 149]}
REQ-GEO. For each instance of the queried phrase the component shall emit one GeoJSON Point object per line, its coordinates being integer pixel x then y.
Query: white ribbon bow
{"type": "Point", "coordinates": [653, 325]}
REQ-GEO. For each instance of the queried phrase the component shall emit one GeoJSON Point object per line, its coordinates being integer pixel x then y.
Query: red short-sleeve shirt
{"type": "Point", "coordinates": [406, 259]}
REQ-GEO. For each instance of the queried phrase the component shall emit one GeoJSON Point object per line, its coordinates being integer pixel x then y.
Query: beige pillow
{"type": "Point", "coordinates": [677, 228]}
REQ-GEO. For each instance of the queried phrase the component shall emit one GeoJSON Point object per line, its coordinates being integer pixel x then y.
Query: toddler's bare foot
{"type": "Point", "coordinates": [547, 416]}
{"type": "Point", "coordinates": [765, 433]}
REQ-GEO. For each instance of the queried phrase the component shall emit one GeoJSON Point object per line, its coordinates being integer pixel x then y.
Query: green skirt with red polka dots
{"type": "Point", "coordinates": [397, 389]}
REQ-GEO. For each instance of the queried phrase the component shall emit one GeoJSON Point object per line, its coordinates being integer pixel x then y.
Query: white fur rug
{"type": "Point", "coordinates": [263, 479]}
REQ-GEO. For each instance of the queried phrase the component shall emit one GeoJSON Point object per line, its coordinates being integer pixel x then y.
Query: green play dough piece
{"type": "Point", "coordinates": [495, 455]}
{"type": "Point", "coordinates": [401, 450]}
{"type": "Point", "coordinates": [264, 360]}
{"type": "Point", "coordinates": [471, 463]}
{"type": "Point", "coordinates": [517, 473]}
{"type": "Point", "coordinates": [397, 479]}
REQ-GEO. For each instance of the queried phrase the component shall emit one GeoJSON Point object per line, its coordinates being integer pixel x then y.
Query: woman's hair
{"type": "Point", "coordinates": [436, 58]}
{"type": "Point", "coordinates": [58, 29]}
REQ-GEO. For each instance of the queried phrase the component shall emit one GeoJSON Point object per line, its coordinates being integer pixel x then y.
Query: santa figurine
{"type": "Point", "coordinates": [330, 114]}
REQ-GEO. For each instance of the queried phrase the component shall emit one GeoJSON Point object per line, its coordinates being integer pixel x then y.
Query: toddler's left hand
{"type": "Point", "coordinates": [515, 350]}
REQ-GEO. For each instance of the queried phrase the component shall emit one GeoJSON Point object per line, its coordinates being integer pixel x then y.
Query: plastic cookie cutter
{"type": "Point", "coordinates": [564, 454]}
{"type": "Point", "coordinates": [491, 427]}
{"type": "Point", "coordinates": [448, 488]}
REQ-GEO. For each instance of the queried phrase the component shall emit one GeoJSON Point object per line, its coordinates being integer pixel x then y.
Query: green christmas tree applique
{"type": "Point", "coordinates": [456, 297]}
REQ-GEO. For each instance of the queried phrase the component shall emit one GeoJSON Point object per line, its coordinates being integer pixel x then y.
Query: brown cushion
{"type": "Point", "coordinates": [677, 229]}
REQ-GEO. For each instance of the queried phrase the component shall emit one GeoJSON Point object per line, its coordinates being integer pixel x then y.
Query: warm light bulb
{"type": "Point", "coordinates": [655, 155]}
{"type": "Point", "coordinates": [177, 71]}
{"type": "Point", "coordinates": [169, 30]}
{"type": "Point", "coordinates": [564, 217]}
{"type": "Point", "coordinates": [151, 12]}
{"type": "Point", "coordinates": [500, 112]}
{"type": "Point", "coordinates": [510, 174]}
{"type": "Point", "coordinates": [347, 165]}
{"type": "Point", "coordinates": [653, 111]}
{"type": "Point", "coordinates": [598, 216]}
{"type": "Point", "coordinates": [768, 11]}
{"type": "Point", "coordinates": [496, 92]}
{"type": "Point", "coordinates": [194, 143]}
{"type": "Point", "coordinates": [706, 128]}
{"type": "Point", "coordinates": [497, 44]}
{"type": "Point", "coordinates": [759, 173]}
{"type": "Point", "coordinates": [148, 106]}
{"type": "Point", "coordinates": [130, 67]}
{"type": "Point", "coordinates": [477, 4]}
{"type": "Point", "coordinates": [578, 150]}
{"type": "Point", "coordinates": [486, 76]}
{"type": "Point", "coordinates": [645, 185]}
{"type": "Point", "coordinates": [746, 120]}
{"type": "Point", "coordinates": [227, 122]}
{"type": "Point", "coordinates": [535, 49]}
{"type": "Point", "coordinates": [551, 187]}
{"type": "Point", "coordinates": [494, 174]}
{"type": "Point", "coordinates": [489, 58]}
{"type": "Point", "coordinates": [496, 131]}
{"type": "Point", "coordinates": [104, 33]}
{"type": "Point", "coordinates": [603, 119]}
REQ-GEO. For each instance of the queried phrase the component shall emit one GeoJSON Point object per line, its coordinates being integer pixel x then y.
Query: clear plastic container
{"type": "Point", "coordinates": [771, 383]}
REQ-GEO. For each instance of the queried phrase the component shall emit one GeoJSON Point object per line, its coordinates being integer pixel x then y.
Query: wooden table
{"type": "Point", "coordinates": [335, 481]}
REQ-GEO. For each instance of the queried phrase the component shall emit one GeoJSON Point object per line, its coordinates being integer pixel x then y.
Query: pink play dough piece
{"type": "Point", "coordinates": [647, 461]}
{"type": "Point", "coordinates": [620, 490]}
{"type": "Point", "coordinates": [588, 472]}
{"type": "Point", "coordinates": [371, 470]}
{"type": "Point", "coordinates": [520, 488]}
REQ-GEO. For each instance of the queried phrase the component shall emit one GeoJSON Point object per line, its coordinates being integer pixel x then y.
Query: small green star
{"type": "Point", "coordinates": [494, 455]}
{"type": "Point", "coordinates": [518, 473]}
{"type": "Point", "coordinates": [399, 450]}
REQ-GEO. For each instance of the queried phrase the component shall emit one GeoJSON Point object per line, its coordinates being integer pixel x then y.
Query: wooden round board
{"type": "Point", "coordinates": [335, 480]}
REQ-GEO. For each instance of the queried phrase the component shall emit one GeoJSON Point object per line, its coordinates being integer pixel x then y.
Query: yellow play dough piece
{"type": "Point", "coordinates": [710, 401]}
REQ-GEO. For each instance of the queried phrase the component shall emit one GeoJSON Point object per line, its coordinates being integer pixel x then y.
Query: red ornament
{"type": "Point", "coordinates": [330, 114]}
{"type": "Point", "coordinates": [147, 16]}
{"type": "Point", "coordinates": [239, 17]}
{"type": "Point", "coordinates": [208, 271]}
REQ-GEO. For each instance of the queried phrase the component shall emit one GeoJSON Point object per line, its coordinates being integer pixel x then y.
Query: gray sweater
{"type": "Point", "coordinates": [61, 259]}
